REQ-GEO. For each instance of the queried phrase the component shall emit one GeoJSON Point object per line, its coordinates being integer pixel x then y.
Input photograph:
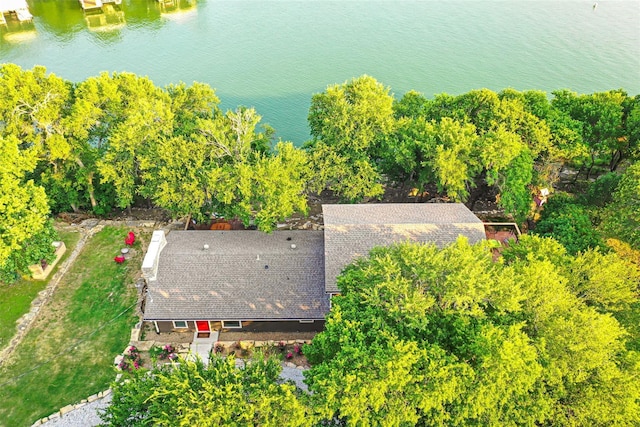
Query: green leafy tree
{"type": "Point", "coordinates": [35, 250]}
{"type": "Point", "coordinates": [349, 124]}
{"type": "Point", "coordinates": [622, 216]}
{"type": "Point", "coordinates": [23, 207]}
{"type": "Point", "coordinates": [569, 223]}
{"type": "Point", "coordinates": [265, 191]}
{"type": "Point", "coordinates": [601, 115]}
{"type": "Point", "coordinates": [32, 109]}
{"type": "Point", "coordinates": [219, 394]}
{"type": "Point", "coordinates": [421, 336]}
{"type": "Point", "coordinates": [113, 120]}
{"type": "Point", "coordinates": [452, 156]}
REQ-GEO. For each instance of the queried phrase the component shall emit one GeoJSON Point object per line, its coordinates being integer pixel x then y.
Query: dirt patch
{"type": "Point", "coordinates": [149, 334]}
{"type": "Point", "coordinates": [266, 336]}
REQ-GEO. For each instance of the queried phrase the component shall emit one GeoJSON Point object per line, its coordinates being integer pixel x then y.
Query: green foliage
{"type": "Point", "coordinates": [23, 207]}
{"type": "Point", "coordinates": [34, 250]}
{"type": "Point", "coordinates": [601, 115]}
{"type": "Point", "coordinates": [569, 223]}
{"type": "Point", "coordinates": [622, 216]}
{"type": "Point", "coordinates": [349, 124]}
{"type": "Point", "coordinates": [218, 394]}
{"type": "Point", "coordinates": [514, 184]}
{"type": "Point", "coordinates": [32, 109]}
{"type": "Point", "coordinates": [600, 192]}
{"type": "Point", "coordinates": [117, 138]}
{"type": "Point", "coordinates": [452, 159]}
{"type": "Point", "coordinates": [421, 336]}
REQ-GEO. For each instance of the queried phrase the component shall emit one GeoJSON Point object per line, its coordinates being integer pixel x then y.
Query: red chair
{"type": "Point", "coordinates": [119, 259]}
{"type": "Point", "coordinates": [130, 239]}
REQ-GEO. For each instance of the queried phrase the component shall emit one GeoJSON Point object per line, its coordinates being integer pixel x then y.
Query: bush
{"type": "Point", "coordinates": [570, 224]}
{"type": "Point", "coordinates": [131, 360]}
{"type": "Point", "coordinates": [163, 353]}
{"type": "Point", "coordinates": [600, 192]}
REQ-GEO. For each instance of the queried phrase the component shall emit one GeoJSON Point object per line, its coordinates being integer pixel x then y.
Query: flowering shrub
{"type": "Point", "coordinates": [297, 349]}
{"type": "Point", "coordinates": [163, 353]}
{"type": "Point", "coordinates": [289, 355]}
{"type": "Point", "coordinates": [282, 345]}
{"type": "Point", "coordinates": [131, 360]}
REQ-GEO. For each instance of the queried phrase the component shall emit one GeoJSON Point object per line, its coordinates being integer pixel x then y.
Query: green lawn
{"type": "Point", "coordinates": [68, 355]}
{"type": "Point", "coordinates": [15, 299]}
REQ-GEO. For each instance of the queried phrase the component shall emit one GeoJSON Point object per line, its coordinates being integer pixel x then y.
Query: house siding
{"type": "Point", "coordinates": [251, 326]}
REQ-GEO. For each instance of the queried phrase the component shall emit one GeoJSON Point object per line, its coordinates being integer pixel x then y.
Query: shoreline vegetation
{"type": "Point", "coordinates": [556, 343]}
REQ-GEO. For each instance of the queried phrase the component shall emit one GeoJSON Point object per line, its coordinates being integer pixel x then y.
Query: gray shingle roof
{"type": "Point", "coordinates": [244, 275]}
{"type": "Point", "coordinates": [351, 231]}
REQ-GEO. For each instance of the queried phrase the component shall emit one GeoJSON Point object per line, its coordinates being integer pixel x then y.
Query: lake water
{"type": "Point", "coordinates": [274, 54]}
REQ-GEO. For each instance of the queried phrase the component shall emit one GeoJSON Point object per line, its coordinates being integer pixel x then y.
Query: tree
{"type": "Point", "coordinates": [191, 393]}
{"type": "Point", "coordinates": [266, 191]}
{"type": "Point", "coordinates": [113, 121]}
{"type": "Point", "coordinates": [569, 223]}
{"type": "Point", "coordinates": [452, 159]}
{"type": "Point", "coordinates": [23, 208]}
{"type": "Point", "coordinates": [622, 216]}
{"type": "Point", "coordinates": [349, 124]}
{"type": "Point", "coordinates": [32, 109]}
{"type": "Point", "coordinates": [421, 336]}
{"type": "Point", "coordinates": [601, 115]}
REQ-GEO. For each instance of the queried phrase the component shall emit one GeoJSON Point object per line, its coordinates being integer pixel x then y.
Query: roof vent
{"type": "Point", "coordinates": [293, 246]}
{"type": "Point", "coordinates": [206, 247]}
{"type": "Point", "coordinates": [288, 238]}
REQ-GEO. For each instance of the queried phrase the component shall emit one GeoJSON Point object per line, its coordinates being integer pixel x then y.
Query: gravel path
{"type": "Point", "coordinates": [87, 416]}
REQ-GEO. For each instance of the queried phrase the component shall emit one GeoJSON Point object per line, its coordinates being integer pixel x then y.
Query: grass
{"type": "Point", "coordinates": [68, 355]}
{"type": "Point", "coordinates": [15, 299]}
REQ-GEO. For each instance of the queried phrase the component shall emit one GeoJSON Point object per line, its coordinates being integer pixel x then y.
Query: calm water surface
{"type": "Point", "coordinates": [274, 54]}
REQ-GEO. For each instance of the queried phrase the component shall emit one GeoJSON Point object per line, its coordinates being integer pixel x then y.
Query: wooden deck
{"type": "Point", "coordinates": [97, 4]}
{"type": "Point", "coordinates": [19, 8]}
{"type": "Point", "coordinates": [90, 4]}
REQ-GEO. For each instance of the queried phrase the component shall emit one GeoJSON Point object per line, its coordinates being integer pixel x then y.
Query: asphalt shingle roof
{"type": "Point", "coordinates": [244, 275]}
{"type": "Point", "coordinates": [351, 231]}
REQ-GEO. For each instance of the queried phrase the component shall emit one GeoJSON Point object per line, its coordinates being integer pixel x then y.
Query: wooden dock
{"type": "Point", "coordinates": [19, 8]}
{"type": "Point", "coordinates": [90, 4]}
{"type": "Point", "coordinates": [96, 4]}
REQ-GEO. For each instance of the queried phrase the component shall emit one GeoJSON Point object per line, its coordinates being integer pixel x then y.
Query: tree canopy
{"type": "Point", "coordinates": [218, 394]}
{"type": "Point", "coordinates": [421, 336]}
{"type": "Point", "coordinates": [117, 140]}
{"type": "Point", "coordinates": [23, 211]}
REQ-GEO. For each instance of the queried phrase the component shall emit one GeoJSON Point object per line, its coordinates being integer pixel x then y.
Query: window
{"type": "Point", "coordinates": [306, 321]}
{"type": "Point", "coordinates": [180, 324]}
{"type": "Point", "coordinates": [231, 324]}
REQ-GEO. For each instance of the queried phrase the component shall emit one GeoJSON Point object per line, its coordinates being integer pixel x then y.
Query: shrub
{"type": "Point", "coordinates": [570, 224]}
{"type": "Point", "coordinates": [131, 360]}
{"type": "Point", "coordinates": [600, 192]}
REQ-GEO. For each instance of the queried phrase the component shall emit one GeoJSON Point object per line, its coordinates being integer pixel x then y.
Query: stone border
{"type": "Point", "coordinates": [65, 410]}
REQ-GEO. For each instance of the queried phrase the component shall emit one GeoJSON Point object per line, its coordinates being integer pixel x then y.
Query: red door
{"type": "Point", "coordinates": [202, 326]}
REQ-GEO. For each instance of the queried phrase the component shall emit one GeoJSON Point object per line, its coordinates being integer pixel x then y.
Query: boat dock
{"type": "Point", "coordinates": [96, 4]}
{"type": "Point", "coordinates": [19, 8]}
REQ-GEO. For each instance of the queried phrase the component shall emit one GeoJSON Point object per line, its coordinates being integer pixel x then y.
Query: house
{"type": "Point", "coordinates": [204, 281]}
